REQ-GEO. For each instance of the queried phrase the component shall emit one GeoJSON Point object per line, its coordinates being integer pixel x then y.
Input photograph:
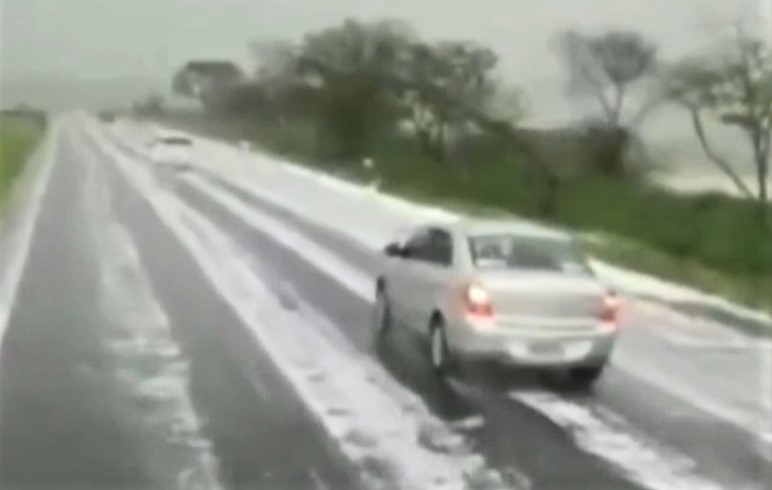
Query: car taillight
{"type": "Point", "coordinates": [478, 301]}
{"type": "Point", "coordinates": [610, 310]}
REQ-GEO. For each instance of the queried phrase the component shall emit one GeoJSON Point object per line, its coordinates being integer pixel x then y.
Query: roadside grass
{"type": "Point", "coordinates": [711, 242]}
{"type": "Point", "coordinates": [17, 140]}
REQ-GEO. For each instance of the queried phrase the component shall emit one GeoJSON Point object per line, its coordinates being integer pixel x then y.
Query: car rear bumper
{"type": "Point", "coordinates": [537, 347]}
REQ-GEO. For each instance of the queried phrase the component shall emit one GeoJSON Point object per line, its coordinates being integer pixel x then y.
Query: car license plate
{"type": "Point", "coordinates": [546, 348]}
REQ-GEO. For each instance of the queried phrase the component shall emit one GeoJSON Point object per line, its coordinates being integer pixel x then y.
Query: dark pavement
{"type": "Point", "coordinates": [66, 423]}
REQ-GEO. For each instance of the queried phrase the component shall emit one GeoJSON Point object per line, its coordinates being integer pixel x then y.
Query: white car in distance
{"type": "Point", "coordinates": [173, 150]}
{"type": "Point", "coordinates": [508, 291]}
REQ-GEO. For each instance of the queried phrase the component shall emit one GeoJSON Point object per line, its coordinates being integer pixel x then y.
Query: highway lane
{"type": "Point", "coordinates": [383, 430]}
{"type": "Point", "coordinates": [735, 463]}
{"type": "Point", "coordinates": [262, 435]}
{"type": "Point", "coordinates": [60, 420]}
{"type": "Point", "coordinates": [95, 394]}
{"type": "Point", "coordinates": [520, 442]}
{"type": "Point", "coordinates": [653, 412]}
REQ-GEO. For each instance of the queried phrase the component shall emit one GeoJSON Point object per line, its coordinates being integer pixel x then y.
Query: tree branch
{"type": "Point", "coordinates": [618, 103]}
{"type": "Point", "coordinates": [699, 129]}
{"type": "Point", "coordinates": [763, 165]}
{"type": "Point", "coordinates": [596, 85]}
{"type": "Point", "coordinates": [601, 96]}
{"type": "Point", "coordinates": [643, 111]}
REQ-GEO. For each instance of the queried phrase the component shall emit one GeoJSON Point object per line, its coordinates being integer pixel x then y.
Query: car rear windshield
{"type": "Point", "coordinates": [177, 141]}
{"type": "Point", "coordinates": [511, 251]}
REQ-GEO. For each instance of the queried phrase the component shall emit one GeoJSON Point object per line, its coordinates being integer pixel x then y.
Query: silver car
{"type": "Point", "coordinates": [499, 290]}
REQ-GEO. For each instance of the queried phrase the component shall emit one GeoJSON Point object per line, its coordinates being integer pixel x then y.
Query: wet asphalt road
{"type": "Point", "coordinates": [513, 433]}
{"type": "Point", "coordinates": [66, 422]}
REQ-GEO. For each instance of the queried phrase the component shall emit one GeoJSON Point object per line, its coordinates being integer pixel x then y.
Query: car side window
{"type": "Point", "coordinates": [431, 245]}
{"type": "Point", "coordinates": [416, 247]}
{"type": "Point", "coordinates": [440, 247]}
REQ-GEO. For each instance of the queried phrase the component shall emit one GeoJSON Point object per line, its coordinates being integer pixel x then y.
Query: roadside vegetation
{"type": "Point", "coordinates": [431, 120]}
{"type": "Point", "coordinates": [18, 137]}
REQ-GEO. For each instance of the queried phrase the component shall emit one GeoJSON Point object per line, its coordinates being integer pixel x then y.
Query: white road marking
{"type": "Point", "coordinates": [376, 432]}
{"type": "Point", "coordinates": [147, 357]}
{"type": "Point", "coordinates": [651, 375]}
{"type": "Point", "coordinates": [330, 263]}
{"type": "Point", "coordinates": [643, 460]}
{"type": "Point", "coordinates": [679, 340]}
{"type": "Point", "coordinates": [14, 258]}
{"type": "Point", "coordinates": [690, 332]}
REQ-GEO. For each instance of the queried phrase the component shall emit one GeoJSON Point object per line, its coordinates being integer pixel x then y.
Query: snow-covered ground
{"type": "Point", "coordinates": [380, 426]}
{"type": "Point", "coordinates": [294, 187]}
{"type": "Point", "coordinates": [693, 182]}
{"type": "Point", "coordinates": [138, 335]}
{"type": "Point", "coordinates": [653, 348]}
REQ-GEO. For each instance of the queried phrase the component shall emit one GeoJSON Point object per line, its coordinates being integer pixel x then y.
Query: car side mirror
{"type": "Point", "coordinates": [394, 250]}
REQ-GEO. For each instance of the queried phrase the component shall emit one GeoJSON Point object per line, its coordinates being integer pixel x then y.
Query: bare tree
{"type": "Point", "coordinates": [735, 90]}
{"type": "Point", "coordinates": [604, 67]}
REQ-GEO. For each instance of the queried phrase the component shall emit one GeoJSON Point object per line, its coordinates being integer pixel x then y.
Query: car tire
{"type": "Point", "coordinates": [439, 354]}
{"type": "Point", "coordinates": [382, 319]}
{"type": "Point", "coordinates": [584, 377]}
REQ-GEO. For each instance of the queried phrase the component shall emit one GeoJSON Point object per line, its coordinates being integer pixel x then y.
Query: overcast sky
{"type": "Point", "coordinates": [150, 38]}
{"type": "Point", "coordinates": [95, 38]}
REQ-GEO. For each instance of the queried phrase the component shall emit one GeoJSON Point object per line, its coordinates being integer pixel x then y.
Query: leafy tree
{"type": "Point", "coordinates": [605, 66]}
{"type": "Point", "coordinates": [277, 63]}
{"type": "Point", "coordinates": [445, 84]}
{"type": "Point", "coordinates": [354, 64]}
{"type": "Point", "coordinates": [356, 48]}
{"type": "Point", "coordinates": [206, 81]}
{"type": "Point", "coordinates": [735, 90]}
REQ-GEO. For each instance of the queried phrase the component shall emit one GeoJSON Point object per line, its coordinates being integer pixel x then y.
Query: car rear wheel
{"type": "Point", "coordinates": [438, 347]}
{"type": "Point", "coordinates": [584, 377]}
{"type": "Point", "coordinates": [382, 312]}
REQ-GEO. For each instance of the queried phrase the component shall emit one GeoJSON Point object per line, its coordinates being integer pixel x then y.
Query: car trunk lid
{"type": "Point", "coordinates": [543, 296]}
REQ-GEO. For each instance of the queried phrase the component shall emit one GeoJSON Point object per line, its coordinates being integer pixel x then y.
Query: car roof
{"type": "Point", "coordinates": [514, 226]}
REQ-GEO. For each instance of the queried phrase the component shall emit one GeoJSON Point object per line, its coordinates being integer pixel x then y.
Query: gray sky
{"type": "Point", "coordinates": [149, 38]}
{"type": "Point", "coordinates": [128, 48]}
{"type": "Point", "coordinates": [95, 38]}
